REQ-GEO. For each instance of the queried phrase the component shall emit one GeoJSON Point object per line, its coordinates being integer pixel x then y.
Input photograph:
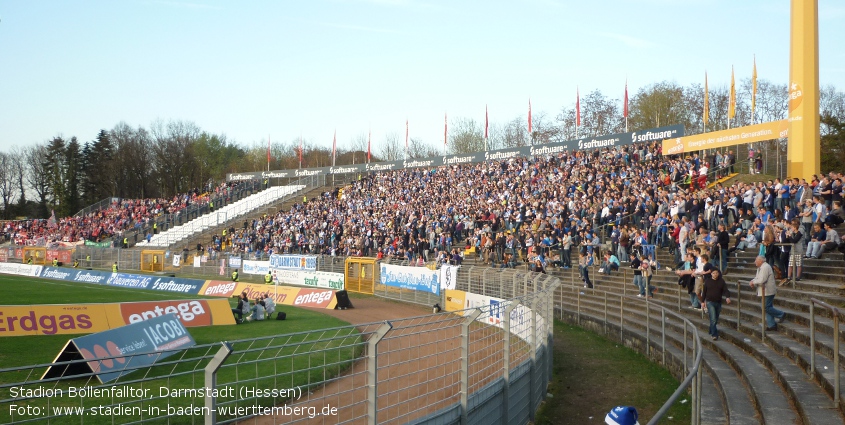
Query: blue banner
{"type": "Point", "coordinates": [124, 280]}
{"type": "Point", "coordinates": [420, 279]}
{"type": "Point", "coordinates": [293, 262]}
{"type": "Point", "coordinates": [142, 344]}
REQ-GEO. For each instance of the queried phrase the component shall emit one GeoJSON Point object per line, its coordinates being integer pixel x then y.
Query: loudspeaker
{"type": "Point", "coordinates": [342, 300]}
{"type": "Point", "coordinates": [281, 315]}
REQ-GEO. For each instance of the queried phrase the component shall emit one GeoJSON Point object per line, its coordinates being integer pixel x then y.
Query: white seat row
{"type": "Point", "coordinates": [229, 212]}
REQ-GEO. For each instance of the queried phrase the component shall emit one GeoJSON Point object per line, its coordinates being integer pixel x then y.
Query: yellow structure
{"type": "Point", "coordinates": [38, 255]}
{"type": "Point", "coordinates": [360, 275]}
{"type": "Point", "coordinates": [803, 155]}
{"type": "Point", "coordinates": [152, 261]}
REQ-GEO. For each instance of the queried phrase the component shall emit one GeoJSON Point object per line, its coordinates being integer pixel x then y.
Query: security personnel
{"type": "Point", "coordinates": [114, 267]}
{"type": "Point", "coordinates": [29, 260]}
{"type": "Point", "coordinates": [211, 205]}
{"type": "Point", "coordinates": [76, 263]}
{"type": "Point", "coordinates": [155, 228]}
{"type": "Point", "coordinates": [268, 278]}
{"type": "Point", "coordinates": [304, 200]}
{"type": "Point", "coordinates": [88, 260]}
{"type": "Point", "coordinates": [55, 262]}
{"type": "Point", "coordinates": [235, 275]}
{"type": "Point", "coordinates": [125, 242]}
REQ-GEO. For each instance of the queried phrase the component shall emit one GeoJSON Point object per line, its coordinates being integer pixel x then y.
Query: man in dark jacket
{"type": "Point", "coordinates": [724, 241]}
{"type": "Point", "coordinates": [714, 289]}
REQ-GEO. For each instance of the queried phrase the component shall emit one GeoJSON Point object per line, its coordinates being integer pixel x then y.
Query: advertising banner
{"type": "Point", "coordinates": [4, 255]}
{"type": "Point", "coordinates": [235, 262]}
{"type": "Point", "coordinates": [124, 280]}
{"type": "Point", "coordinates": [293, 262]}
{"type": "Point", "coordinates": [283, 295]}
{"type": "Point", "coordinates": [191, 313]}
{"type": "Point", "coordinates": [724, 138]}
{"type": "Point", "coordinates": [520, 316]}
{"type": "Point", "coordinates": [448, 276]}
{"type": "Point", "coordinates": [98, 244]}
{"type": "Point", "coordinates": [420, 279]}
{"type": "Point", "coordinates": [21, 269]}
{"type": "Point", "coordinates": [65, 319]}
{"type": "Point", "coordinates": [255, 267]}
{"type": "Point", "coordinates": [21, 320]}
{"type": "Point", "coordinates": [454, 300]}
{"type": "Point", "coordinates": [325, 280]}
{"type": "Point", "coordinates": [621, 139]}
{"type": "Point", "coordinates": [159, 337]}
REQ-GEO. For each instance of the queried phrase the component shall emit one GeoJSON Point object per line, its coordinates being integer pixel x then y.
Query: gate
{"type": "Point", "coordinates": [360, 275]}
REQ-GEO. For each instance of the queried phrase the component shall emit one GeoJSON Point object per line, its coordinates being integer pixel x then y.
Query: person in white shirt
{"type": "Point", "coordinates": [269, 305]}
{"type": "Point", "coordinates": [766, 287]}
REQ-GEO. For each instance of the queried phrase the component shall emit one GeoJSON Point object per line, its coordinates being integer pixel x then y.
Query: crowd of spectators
{"type": "Point", "coordinates": [111, 222]}
{"type": "Point", "coordinates": [613, 200]}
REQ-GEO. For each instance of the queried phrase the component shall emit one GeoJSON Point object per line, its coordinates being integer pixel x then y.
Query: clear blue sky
{"type": "Point", "coordinates": [253, 68]}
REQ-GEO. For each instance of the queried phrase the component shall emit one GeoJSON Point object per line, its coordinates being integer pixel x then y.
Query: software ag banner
{"type": "Point", "coordinates": [124, 280]}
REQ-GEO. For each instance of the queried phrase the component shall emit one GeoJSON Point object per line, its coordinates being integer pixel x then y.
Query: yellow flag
{"type": "Point", "coordinates": [732, 102]}
{"type": "Point", "coordinates": [753, 88]}
{"type": "Point", "coordinates": [706, 101]}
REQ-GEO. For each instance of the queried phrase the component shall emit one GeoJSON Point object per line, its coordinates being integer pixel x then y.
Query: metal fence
{"type": "Point", "coordinates": [491, 362]}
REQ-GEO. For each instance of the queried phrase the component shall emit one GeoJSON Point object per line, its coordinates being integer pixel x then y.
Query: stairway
{"type": "Point", "coordinates": [205, 237]}
{"type": "Point", "coordinates": [748, 378]}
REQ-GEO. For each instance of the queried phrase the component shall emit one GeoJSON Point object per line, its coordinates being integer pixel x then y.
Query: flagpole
{"type": "Point", "coordinates": [577, 110]}
{"type": "Point", "coordinates": [626, 104]}
{"type": "Point", "coordinates": [268, 152]}
{"type": "Point", "coordinates": [486, 125]}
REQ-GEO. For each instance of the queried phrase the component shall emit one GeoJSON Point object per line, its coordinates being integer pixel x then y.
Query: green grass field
{"type": "Point", "coordinates": [309, 356]}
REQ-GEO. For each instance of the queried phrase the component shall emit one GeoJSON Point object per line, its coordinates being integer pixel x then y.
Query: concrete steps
{"type": "Point", "coordinates": [757, 380]}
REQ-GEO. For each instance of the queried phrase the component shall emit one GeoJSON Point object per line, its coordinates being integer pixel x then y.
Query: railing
{"type": "Point", "coordinates": [441, 368]}
{"type": "Point", "coordinates": [836, 336]}
{"type": "Point", "coordinates": [105, 203]}
{"type": "Point", "coordinates": [692, 379]}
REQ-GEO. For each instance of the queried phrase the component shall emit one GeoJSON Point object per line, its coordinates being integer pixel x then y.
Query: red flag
{"type": "Point", "coordinates": [486, 121]}
{"type": "Point", "coordinates": [445, 129]}
{"type": "Point", "coordinates": [577, 108]}
{"type": "Point", "coordinates": [334, 147]}
{"type": "Point", "coordinates": [529, 117]}
{"type": "Point", "coordinates": [369, 140]}
{"type": "Point", "coordinates": [625, 108]}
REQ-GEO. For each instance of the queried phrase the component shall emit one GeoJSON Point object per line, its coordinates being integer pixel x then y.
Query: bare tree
{"type": "Point", "coordinates": [358, 146]}
{"type": "Point", "coordinates": [545, 130]}
{"type": "Point", "coordinates": [465, 136]}
{"type": "Point", "coordinates": [831, 105]}
{"type": "Point", "coordinates": [8, 185]}
{"type": "Point", "coordinates": [18, 156]}
{"type": "Point", "coordinates": [418, 149]}
{"type": "Point", "coordinates": [36, 176]}
{"type": "Point", "coordinates": [390, 149]}
{"type": "Point", "coordinates": [173, 158]}
{"type": "Point", "coordinates": [515, 133]}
